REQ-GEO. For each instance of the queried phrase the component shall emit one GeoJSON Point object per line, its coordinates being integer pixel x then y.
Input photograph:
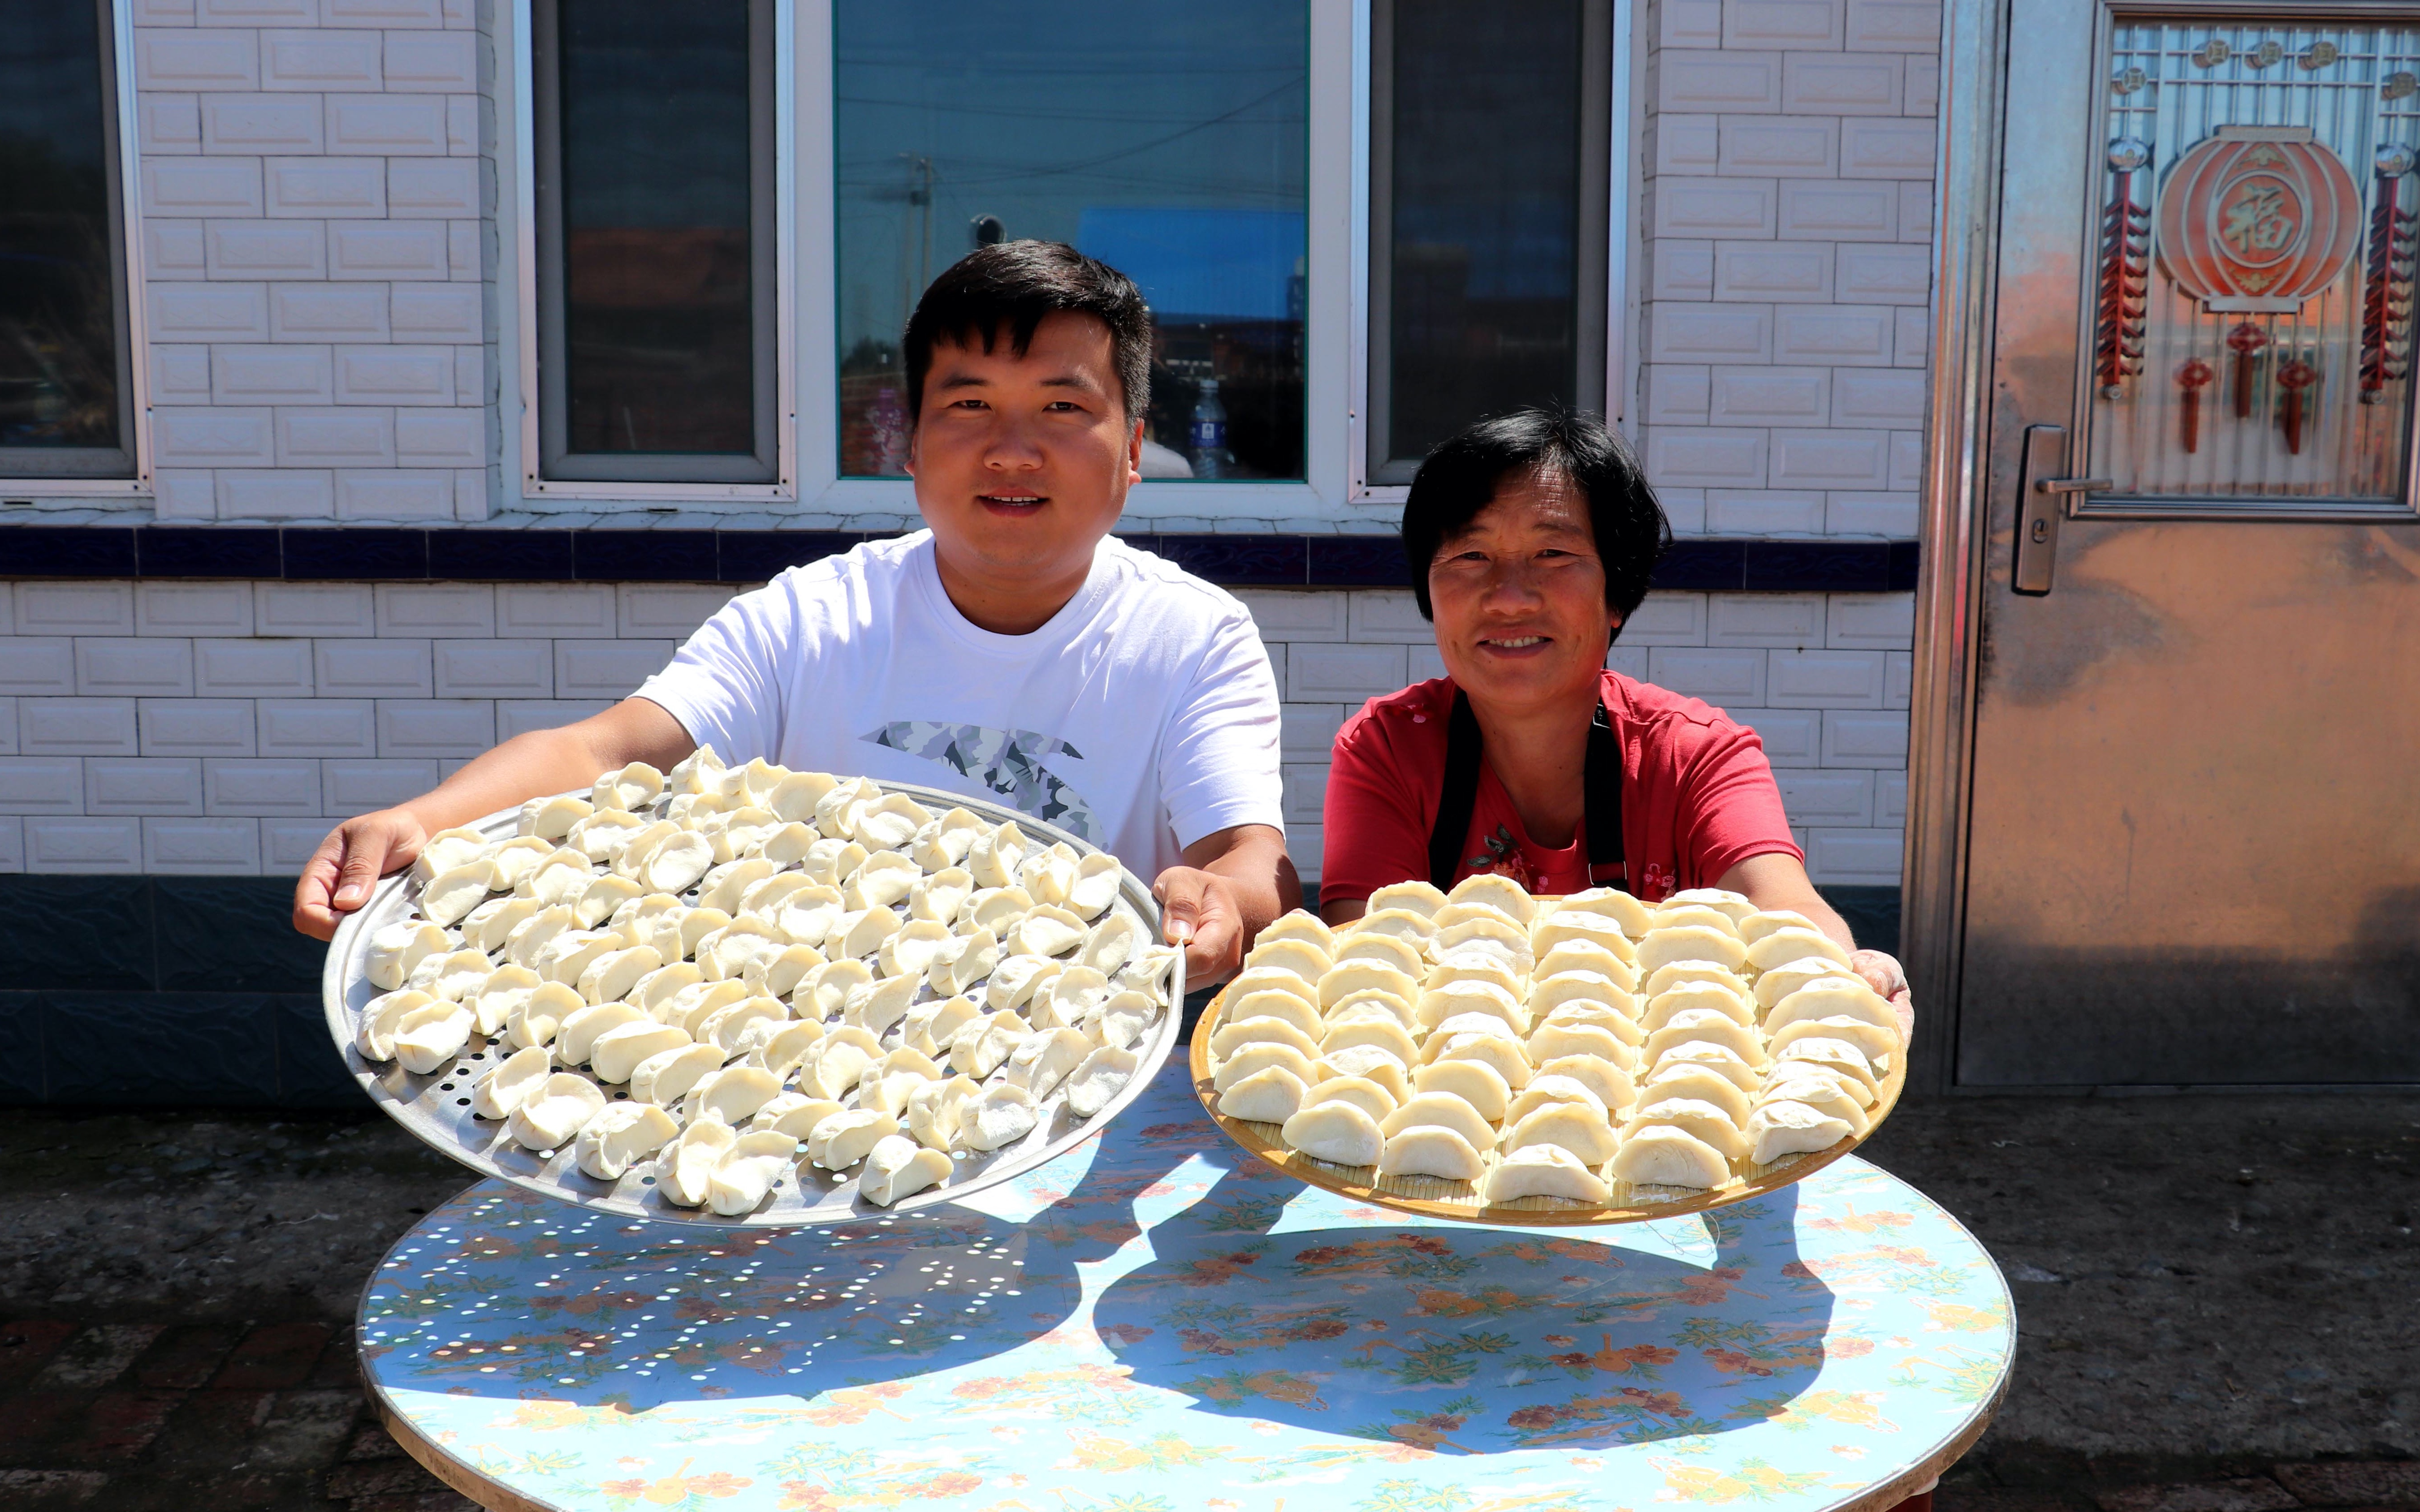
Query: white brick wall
{"type": "Point", "coordinates": [224, 726]}
{"type": "Point", "coordinates": [1789, 164]}
{"type": "Point", "coordinates": [313, 195]}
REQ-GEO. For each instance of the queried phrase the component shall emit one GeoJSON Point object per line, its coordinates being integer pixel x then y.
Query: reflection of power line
{"type": "Point", "coordinates": [1116, 117]}
{"type": "Point", "coordinates": [1080, 165]}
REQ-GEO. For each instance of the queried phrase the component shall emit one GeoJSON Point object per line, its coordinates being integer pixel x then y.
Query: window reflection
{"type": "Point", "coordinates": [1166, 139]}
{"type": "Point", "coordinates": [1485, 182]}
{"type": "Point", "coordinates": [58, 299]}
{"type": "Point", "coordinates": [660, 302]}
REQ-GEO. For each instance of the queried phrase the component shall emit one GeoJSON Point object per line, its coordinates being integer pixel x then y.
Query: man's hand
{"type": "Point", "coordinates": [338, 877]}
{"type": "Point", "coordinates": [1884, 975]}
{"type": "Point", "coordinates": [1200, 910]}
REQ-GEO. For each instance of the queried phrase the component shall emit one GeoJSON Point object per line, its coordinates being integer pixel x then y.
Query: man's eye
{"type": "Point", "coordinates": [1063, 406]}
{"type": "Point", "coordinates": [968, 404]}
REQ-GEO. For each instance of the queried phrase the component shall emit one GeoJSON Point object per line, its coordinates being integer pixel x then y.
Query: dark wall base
{"type": "Point", "coordinates": [195, 991]}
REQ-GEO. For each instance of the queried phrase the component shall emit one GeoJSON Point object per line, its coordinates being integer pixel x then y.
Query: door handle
{"type": "Point", "coordinates": [2040, 495]}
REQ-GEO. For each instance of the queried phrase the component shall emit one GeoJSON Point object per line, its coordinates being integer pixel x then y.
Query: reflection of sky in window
{"type": "Point", "coordinates": [1167, 135]}
{"type": "Point", "coordinates": [50, 79]}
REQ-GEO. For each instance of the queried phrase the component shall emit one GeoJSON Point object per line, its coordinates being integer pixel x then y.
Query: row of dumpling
{"type": "Point", "coordinates": [1538, 1081]}
{"type": "Point", "coordinates": [666, 994]}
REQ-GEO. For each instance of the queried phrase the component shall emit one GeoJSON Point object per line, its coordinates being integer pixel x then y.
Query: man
{"type": "Point", "coordinates": [1012, 650]}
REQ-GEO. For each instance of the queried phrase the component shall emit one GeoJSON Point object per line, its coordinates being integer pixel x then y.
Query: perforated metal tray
{"type": "Point", "coordinates": [437, 1106]}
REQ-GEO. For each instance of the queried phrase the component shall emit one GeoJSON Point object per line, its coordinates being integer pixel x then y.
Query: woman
{"type": "Point", "coordinates": [1530, 538]}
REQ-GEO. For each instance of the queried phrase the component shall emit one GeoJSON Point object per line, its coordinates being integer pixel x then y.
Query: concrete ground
{"type": "Point", "coordinates": [2218, 1302]}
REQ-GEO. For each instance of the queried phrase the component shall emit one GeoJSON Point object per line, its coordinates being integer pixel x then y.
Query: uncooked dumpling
{"type": "Point", "coordinates": [733, 1095]}
{"type": "Point", "coordinates": [1697, 942]}
{"type": "Point", "coordinates": [1363, 1006]}
{"type": "Point", "coordinates": [1015, 978]}
{"type": "Point", "coordinates": [1661, 1155]}
{"type": "Point", "coordinates": [1721, 1060]}
{"type": "Point", "coordinates": [1300, 925]}
{"type": "Point", "coordinates": [1383, 949]}
{"type": "Point", "coordinates": [552, 818]}
{"type": "Point", "coordinates": [666, 1076]}
{"type": "Point", "coordinates": [1826, 1092]}
{"type": "Point", "coordinates": [579, 1030]}
{"type": "Point", "coordinates": [1550, 1041]}
{"type": "Point", "coordinates": [1336, 1132]}
{"type": "Point", "coordinates": [964, 961]}
{"type": "Point", "coordinates": [616, 1053]}
{"type": "Point", "coordinates": [1684, 916]}
{"type": "Point", "coordinates": [1455, 1000]}
{"type": "Point", "coordinates": [930, 1025]}
{"type": "Point", "coordinates": [1382, 1032]}
{"type": "Point", "coordinates": [1476, 965]}
{"type": "Point", "coordinates": [1544, 1170]}
{"type": "Point", "coordinates": [533, 1020]}
{"type": "Point", "coordinates": [677, 863]}
{"type": "Point", "coordinates": [1431, 1150]}
{"type": "Point", "coordinates": [1045, 931]}
{"type": "Point", "coordinates": [453, 892]}
{"type": "Point", "coordinates": [1794, 943]}
{"type": "Point", "coordinates": [1611, 1083]}
{"type": "Point", "coordinates": [1544, 1091]}
{"type": "Point", "coordinates": [1121, 1019]}
{"type": "Point", "coordinates": [1503, 894]}
{"type": "Point", "coordinates": [550, 1117]}
{"type": "Point", "coordinates": [1825, 997]}
{"type": "Point", "coordinates": [748, 1171]}
{"type": "Point", "coordinates": [1582, 1013]}
{"type": "Point", "coordinates": [1001, 1115]}
{"type": "Point", "coordinates": [1703, 1120]}
{"type": "Point", "coordinates": [880, 879]}
{"type": "Point", "coordinates": [512, 1083]}
{"type": "Point", "coordinates": [1756, 925]}
{"type": "Point", "coordinates": [1613, 904]}
{"type": "Point", "coordinates": [1872, 1040]}
{"type": "Point", "coordinates": [1546, 993]}
{"type": "Point", "coordinates": [1341, 981]}
{"type": "Point", "coordinates": [1672, 974]}
{"type": "Point", "coordinates": [1583, 955]}
{"type": "Point", "coordinates": [1091, 1085]}
{"type": "Point", "coordinates": [1274, 1005]}
{"type": "Point", "coordinates": [897, 1168]}
{"type": "Point", "coordinates": [619, 1135]}
{"type": "Point", "coordinates": [1705, 1026]}
{"type": "Point", "coordinates": [890, 821]}
{"type": "Point", "coordinates": [1371, 1063]}
{"type": "Point", "coordinates": [1683, 1079]}
{"type": "Point", "coordinates": [1256, 1058]}
{"type": "Point", "coordinates": [983, 1045]}
{"type": "Point", "coordinates": [1785, 1128]}
{"type": "Point", "coordinates": [1420, 899]}
{"type": "Point", "coordinates": [395, 948]}
{"type": "Point", "coordinates": [1363, 1093]}
{"type": "Point", "coordinates": [992, 859]}
{"type": "Point", "coordinates": [1577, 1127]}
{"type": "Point", "coordinates": [431, 1035]}
{"type": "Point", "coordinates": [1503, 1056]}
{"type": "Point", "coordinates": [1563, 927]}
{"type": "Point", "coordinates": [876, 1006]}
{"type": "Point", "coordinates": [845, 1139]}
{"type": "Point", "coordinates": [1295, 956]}
{"type": "Point", "coordinates": [1044, 1060]}
{"type": "Point", "coordinates": [685, 1169]}
{"type": "Point", "coordinates": [823, 993]}
{"type": "Point", "coordinates": [1489, 931]}
{"type": "Point", "coordinates": [1230, 1038]}
{"type": "Point", "coordinates": [800, 1118]}
{"type": "Point", "coordinates": [1733, 907]}
{"type": "Point", "coordinates": [935, 1109]}
{"type": "Point", "coordinates": [1720, 996]}
{"type": "Point", "coordinates": [1049, 874]}
{"type": "Point", "coordinates": [1271, 1095]}
{"type": "Point", "coordinates": [1446, 1110]}
{"type": "Point", "coordinates": [1112, 943]}
{"type": "Point", "coordinates": [1070, 999]}
{"type": "Point", "coordinates": [1475, 1082]}
{"type": "Point", "coordinates": [1836, 1056]}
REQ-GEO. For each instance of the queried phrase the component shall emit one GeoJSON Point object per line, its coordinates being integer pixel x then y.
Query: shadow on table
{"type": "Point", "coordinates": [1465, 1339]}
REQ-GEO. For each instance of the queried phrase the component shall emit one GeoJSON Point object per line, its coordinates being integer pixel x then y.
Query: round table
{"type": "Point", "coordinates": [1154, 1322]}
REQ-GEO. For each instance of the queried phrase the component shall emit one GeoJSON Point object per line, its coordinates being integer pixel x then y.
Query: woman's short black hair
{"type": "Point", "coordinates": [1009, 288]}
{"type": "Point", "coordinates": [1460, 478]}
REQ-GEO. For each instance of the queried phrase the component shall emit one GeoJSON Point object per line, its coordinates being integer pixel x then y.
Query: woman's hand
{"type": "Point", "coordinates": [1883, 974]}
{"type": "Point", "coordinates": [338, 877]}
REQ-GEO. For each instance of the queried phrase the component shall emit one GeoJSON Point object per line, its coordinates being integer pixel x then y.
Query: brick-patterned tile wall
{"type": "Point", "coordinates": [220, 728]}
{"type": "Point", "coordinates": [1789, 193]}
{"type": "Point", "coordinates": [315, 212]}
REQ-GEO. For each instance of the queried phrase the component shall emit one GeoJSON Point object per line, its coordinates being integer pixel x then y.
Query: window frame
{"type": "Point", "coordinates": [546, 471]}
{"type": "Point", "coordinates": [123, 469]}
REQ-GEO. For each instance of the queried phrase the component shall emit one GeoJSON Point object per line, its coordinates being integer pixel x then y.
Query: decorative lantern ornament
{"type": "Point", "coordinates": [2257, 219]}
{"type": "Point", "coordinates": [2294, 375]}
{"type": "Point", "coordinates": [2193, 378]}
{"type": "Point", "coordinates": [2245, 341]}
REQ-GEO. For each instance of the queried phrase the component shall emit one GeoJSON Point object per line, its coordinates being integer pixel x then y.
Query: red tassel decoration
{"type": "Point", "coordinates": [2294, 376]}
{"type": "Point", "coordinates": [2244, 340]}
{"type": "Point", "coordinates": [2193, 378]}
{"type": "Point", "coordinates": [2386, 289]}
{"type": "Point", "coordinates": [2125, 271]}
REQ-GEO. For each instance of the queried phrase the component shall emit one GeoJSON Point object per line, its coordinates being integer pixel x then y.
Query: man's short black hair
{"type": "Point", "coordinates": [1012, 287]}
{"type": "Point", "coordinates": [1460, 478]}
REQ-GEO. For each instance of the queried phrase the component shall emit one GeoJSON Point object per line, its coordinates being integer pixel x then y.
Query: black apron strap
{"type": "Point", "coordinates": [1601, 782]}
{"type": "Point", "coordinates": [1459, 795]}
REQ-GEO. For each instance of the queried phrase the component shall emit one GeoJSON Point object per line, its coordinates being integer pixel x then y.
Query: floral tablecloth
{"type": "Point", "coordinates": [1157, 1322]}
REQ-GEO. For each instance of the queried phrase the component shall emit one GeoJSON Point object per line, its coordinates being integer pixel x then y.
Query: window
{"type": "Point", "coordinates": [65, 410]}
{"type": "Point", "coordinates": [1488, 198]}
{"type": "Point", "coordinates": [654, 179]}
{"type": "Point", "coordinates": [1168, 139]}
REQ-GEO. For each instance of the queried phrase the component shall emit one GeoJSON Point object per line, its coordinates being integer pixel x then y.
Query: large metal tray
{"type": "Point", "coordinates": [436, 1108]}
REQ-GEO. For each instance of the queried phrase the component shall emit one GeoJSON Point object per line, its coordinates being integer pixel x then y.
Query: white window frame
{"type": "Point", "coordinates": [137, 375]}
{"type": "Point", "coordinates": [1334, 493]}
{"type": "Point", "coordinates": [522, 445]}
{"type": "Point", "coordinates": [1625, 123]}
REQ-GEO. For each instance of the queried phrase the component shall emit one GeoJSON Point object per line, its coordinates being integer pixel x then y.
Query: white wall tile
{"type": "Point", "coordinates": [201, 847]}
{"type": "Point", "coordinates": [261, 124]}
{"type": "Point", "coordinates": [202, 186]}
{"type": "Point", "coordinates": [37, 665]}
{"type": "Point", "coordinates": [436, 609]}
{"type": "Point", "coordinates": [1781, 23]}
{"type": "Point", "coordinates": [1769, 395]}
{"type": "Point", "coordinates": [435, 727]}
{"type": "Point", "coordinates": [1763, 512]}
{"type": "Point", "coordinates": [319, 60]}
{"type": "Point", "coordinates": [333, 188]}
{"type": "Point", "coordinates": [162, 12]}
{"type": "Point", "coordinates": [1892, 26]}
{"type": "Point", "coordinates": [1421, 664]}
{"type": "Point", "coordinates": [325, 312]}
{"type": "Point", "coordinates": [206, 312]}
{"type": "Point", "coordinates": [275, 374]}
{"type": "Point", "coordinates": [276, 493]}
{"type": "Point", "coordinates": [1306, 791]}
{"type": "Point", "coordinates": [1861, 738]}
{"type": "Point", "coordinates": [110, 667]}
{"type": "Point", "coordinates": [1864, 857]}
{"type": "Point", "coordinates": [1820, 797]}
{"type": "Point", "coordinates": [261, 788]}
{"type": "Point", "coordinates": [1630, 661]}
{"type": "Point", "coordinates": [1812, 209]}
{"type": "Point", "coordinates": [395, 494]}
{"type": "Point", "coordinates": [314, 609]}
{"type": "Point", "coordinates": [183, 494]}
{"type": "Point", "coordinates": [397, 668]}
{"type": "Point", "coordinates": [441, 437]}
{"type": "Point", "coordinates": [1825, 680]}
{"type": "Point", "coordinates": [433, 188]}
{"type": "Point", "coordinates": [173, 249]}
{"type": "Point", "coordinates": [643, 610]}
{"type": "Point", "coordinates": [1852, 83]}
{"type": "Point", "coordinates": [1706, 456]}
{"type": "Point", "coordinates": [608, 669]}
{"type": "Point", "coordinates": [395, 375]}
{"type": "Point", "coordinates": [402, 125]}
{"type": "Point", "coordinates": [1792, 737]}
{"type": "Point", "coordinates": [41, 784]}
{"type": "Point", "coordinates": [1288, 614]}
{"type": "Point", "coordinates": [1738, 207]}
{"type": "Point", "coordinates": [1336, 674]}
{"type": "Point", "coordinates": [1307, 732]}
{"type": "Point", "coordinates": [252, 669]}
{"type": "Point", "coordinates": [76, 726]}
{"type": "Point", "coordinates": [318, 727]}
{"type": "Point", "coordinates": [435, 312]}
{"type": "Point", "coordinates": [1764, 620]}
{"type": "Point", "coordinates": [1779, 146]}
{"type": "Point", "coordinates": [1871, 622]}
{"type": "Point", "coordinates": [554, 610]}
{"type": "Point", "coordinates": [220, 437]}
{"type": "Point", "coordinates": [494, 668]}
{"type": "Point", "coordinates": [1677, 394]}
{"type": "Point", "coordinates": [1380, 615]}
{"type": "Point", "coordinates": [1890, 797]}
{"type": "Point", "coordinates": [1690, 23]}
{"type": "Point", "coordinates": [74, 608]}
{"type": "Point", "coordinates": [159, 785]}
{"type": "Point", "coordinates": [1722, 677]}
{"type": "Point", "coordinates": [382, 14]}
{"type": "Point", "coordinates": [168, 123]}
{"type": "Point", "coordinates": [1715, 333]}
{"type": "Point", "coordinates": [1890, 515]}
{"type": "Point", "coordinates": [397, 250]}
{"type": "Point", "coordinates": [1842, 336]}
{"type": "Point", "coordinates": [349, 788]}
{"type": "Point", "coordinates": [287, 844]}
{"type": "Point", "coordinates": [1895, 274]}
{"type": "Point", "coordinates": [432, 63]}
{"type": "Point", "coordinates": [196, 727]}
{"type": "Point", "coordinates": [7, 727]}
{"type": "Point", "coordinates": [1899, 678]}
{"type": "Point", "coordinates": [519, 717]}
{"type": "Point", "coordinates": [84, 845]}
{"type": "Point", "coordinates": [197, 59]}
{"type": "Point", "coordinates": [1686, 144]}
{"type": "Point", "coordinates": [1879, 397]}
{"type": "Point", "coordinates": [257, 13]}
{"type": "Point", "coordinates": [1887, 148]}
{"type": "Point", "coordinates": [12, 844]}
{"type": "Point", "coordinates": [1667, 618]}
{"type": "Point", "coordinates": [1831, 458]}
{"type": "Point", "coordinates": [1725, 81]}
{"type": "Point", "coordinates": [463, 247]}
{"type": "Point", "coordinates": [1680, 269]}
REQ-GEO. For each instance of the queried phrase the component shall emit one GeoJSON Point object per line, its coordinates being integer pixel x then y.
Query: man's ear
{"type": "Point", "coordinates": [915, 436]}
{"type": "Point", "coordinates": [1134, 453]}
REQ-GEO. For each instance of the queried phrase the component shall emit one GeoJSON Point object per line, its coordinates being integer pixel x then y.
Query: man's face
{"type": "Point", "coordinates": [1518, 597]}
{"type": "Point", "coordinates": [1022, 462]}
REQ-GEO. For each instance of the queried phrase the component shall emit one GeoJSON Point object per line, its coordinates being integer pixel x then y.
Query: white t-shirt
{"type": "Point", "coordinates": [1143, 716]}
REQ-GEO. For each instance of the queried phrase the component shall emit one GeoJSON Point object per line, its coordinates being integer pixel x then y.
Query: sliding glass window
{"type": "Point", "coordinates": [65, 410]}
{"type": "Point", "coordinates": [655, 241]}
{"type": "Point", "coordinates": [1165, 137]}
{"type": "Point", "coordinates": [1487, 205]}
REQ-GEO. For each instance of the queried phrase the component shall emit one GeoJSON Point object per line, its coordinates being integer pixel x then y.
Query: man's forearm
{"type": "Point", "coordinates": [553, 761]}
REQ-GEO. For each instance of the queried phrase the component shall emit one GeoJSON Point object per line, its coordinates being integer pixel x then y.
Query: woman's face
{"type": "Point", "coordinates": [1518, 597]}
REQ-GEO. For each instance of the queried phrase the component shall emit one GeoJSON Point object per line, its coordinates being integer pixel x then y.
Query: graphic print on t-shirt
{"type": "Point", "coordinates": [1008, 762]}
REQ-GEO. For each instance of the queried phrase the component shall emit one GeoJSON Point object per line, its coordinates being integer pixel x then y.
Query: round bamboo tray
{"type": "Point", "coordinates": [1429, 1196]}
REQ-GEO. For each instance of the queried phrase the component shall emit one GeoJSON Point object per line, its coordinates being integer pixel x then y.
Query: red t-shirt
{"type": "Point", "coordinates": [1697, 798]}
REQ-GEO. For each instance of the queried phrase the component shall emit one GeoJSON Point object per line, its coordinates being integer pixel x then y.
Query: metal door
{"type": "Point", "coordinates": [2192, 843]}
